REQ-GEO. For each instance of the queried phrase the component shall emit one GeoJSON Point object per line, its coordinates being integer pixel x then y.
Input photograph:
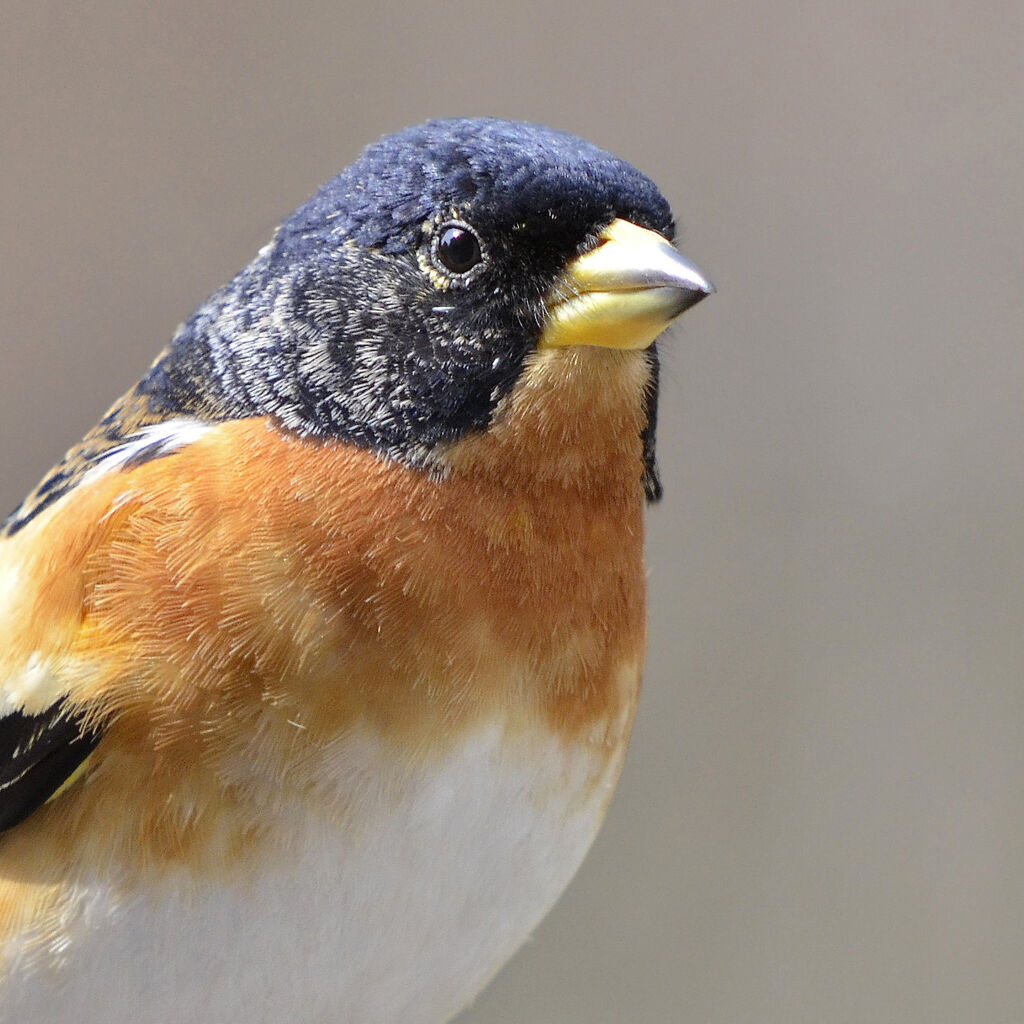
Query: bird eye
{"type": "Point", "coordinates": [457, 249]}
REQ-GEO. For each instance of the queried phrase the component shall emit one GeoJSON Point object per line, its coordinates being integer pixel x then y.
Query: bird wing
{"type": "Point", "coordinates": [47, 730]}
{"type": "Point", "coordinates": [40, 754]}
{"type": "Point", "coordinates": [45, 735]}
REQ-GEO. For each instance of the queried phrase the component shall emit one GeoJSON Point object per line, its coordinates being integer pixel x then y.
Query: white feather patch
{"type": "Point", "coordinates": [401, 910]}
{"type": "Point", "coordinates": [156, 439]}
{"type": "Point", "coordinates": [33, 689]}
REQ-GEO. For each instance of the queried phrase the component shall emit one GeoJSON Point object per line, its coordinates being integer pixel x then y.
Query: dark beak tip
{"type": "Point", "coordinates": [691, 296]}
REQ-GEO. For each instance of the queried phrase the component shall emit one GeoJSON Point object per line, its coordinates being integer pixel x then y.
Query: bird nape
{"type": "Point", "coordinates": [323, 647]}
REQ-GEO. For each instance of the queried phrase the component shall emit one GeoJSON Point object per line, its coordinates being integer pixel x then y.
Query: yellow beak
{"type": "Point", "coordinates": [623, 292]}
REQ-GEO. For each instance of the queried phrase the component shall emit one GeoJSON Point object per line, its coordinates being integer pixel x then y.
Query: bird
{"type": "Point", "coordinates": [322, 649]}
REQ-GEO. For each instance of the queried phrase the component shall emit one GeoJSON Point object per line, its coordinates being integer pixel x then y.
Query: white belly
{"type": "Point", "coordinates": [399, 916]}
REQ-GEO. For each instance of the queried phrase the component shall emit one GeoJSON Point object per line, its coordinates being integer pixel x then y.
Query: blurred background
{"type": "Point", "coordinates": [822, 817]}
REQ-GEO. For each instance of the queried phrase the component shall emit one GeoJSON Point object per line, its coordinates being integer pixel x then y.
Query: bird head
{"type": "Point", "coordinates": [403, 306]}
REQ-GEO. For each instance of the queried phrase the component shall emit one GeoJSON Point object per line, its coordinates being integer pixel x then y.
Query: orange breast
{"type": "Point", "coordinates": [234, 608]}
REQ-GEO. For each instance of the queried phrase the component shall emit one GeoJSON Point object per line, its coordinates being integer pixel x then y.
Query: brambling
{"type": "Point", "coordinates": [323, 647]}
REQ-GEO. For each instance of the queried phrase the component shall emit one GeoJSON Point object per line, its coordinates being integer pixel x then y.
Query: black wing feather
{"type": "Point", "coordinates": [38, 753]}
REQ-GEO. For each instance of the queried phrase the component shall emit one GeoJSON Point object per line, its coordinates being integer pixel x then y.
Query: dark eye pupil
{"type": "Point", "coordinates": [458, 249]}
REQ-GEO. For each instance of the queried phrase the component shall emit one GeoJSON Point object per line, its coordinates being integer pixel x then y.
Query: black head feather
{"type": "Point", "coordinates": [505, 171]}
{"type": "Point", "coordinates": [339, 328]}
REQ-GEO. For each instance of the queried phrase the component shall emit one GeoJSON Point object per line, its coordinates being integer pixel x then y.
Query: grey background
{"type": "Point", "coordinates": [822, 816]}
